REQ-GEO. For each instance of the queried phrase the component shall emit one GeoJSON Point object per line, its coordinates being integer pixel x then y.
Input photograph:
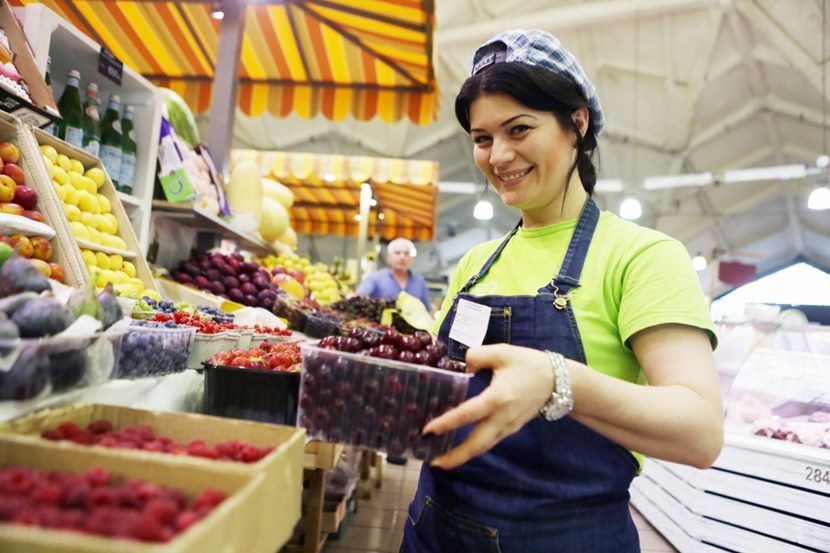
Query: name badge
{"type": "Point", "coordinates": [470, 324]}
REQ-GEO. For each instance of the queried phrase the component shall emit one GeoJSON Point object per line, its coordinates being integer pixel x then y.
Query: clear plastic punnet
{"type": "Point", "coordinates": [376, 403]}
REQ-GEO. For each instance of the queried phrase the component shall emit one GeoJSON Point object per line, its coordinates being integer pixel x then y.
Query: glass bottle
{"type": "Point", "coordinates": [71, 126]}
{"type": "Point", "coordinates": [92, 121]}
{"type": "Point", "coordinates": [111, 138]}
{"type": "Point", "coordinates": [51, 128]}
{"type": "Point", "coordinates": [128, 152]}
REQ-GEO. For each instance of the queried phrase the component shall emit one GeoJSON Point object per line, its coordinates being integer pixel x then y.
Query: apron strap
{"type": "Point", "coordinates": [486, 267]}
{"type": "Point", "coordinates": [571, 269]}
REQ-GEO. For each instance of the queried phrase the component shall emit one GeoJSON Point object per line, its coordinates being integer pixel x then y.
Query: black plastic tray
{"type": "Point", "coordinates": [251, 394]}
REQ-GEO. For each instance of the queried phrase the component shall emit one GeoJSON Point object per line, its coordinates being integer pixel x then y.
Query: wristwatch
{"type": "Point", "coordinates": [561, 402]}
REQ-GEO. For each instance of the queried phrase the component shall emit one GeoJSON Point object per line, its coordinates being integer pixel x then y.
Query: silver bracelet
{"type": "Point", "coordinates": [561, 402]}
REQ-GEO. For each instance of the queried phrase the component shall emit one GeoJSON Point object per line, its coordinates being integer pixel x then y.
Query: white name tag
{"type": "Point", "coordinates": [470, 324]}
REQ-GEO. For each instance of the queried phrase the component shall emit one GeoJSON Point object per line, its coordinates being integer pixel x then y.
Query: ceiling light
{"type": "Point", "coordinates": [217, 13]}
{"type": "Point", "coordinates": [776, 172]}
{"type": "Point", "coordinates": [822, 161]}
{"type": "Point", "coordinates": [330, 177]}
{"type": "Point", "coordinates": [608, 185]}
{"type": "Point", "coordinates": [483, 211]}
{"type": "Point", "coordinates": [674, 181]}
{"type": "Point", "coordinates": [699, 262]}
{"type": "Point", "coordinates": [631, 209]}
{"type": "Point", "coordinates": [819, 198]}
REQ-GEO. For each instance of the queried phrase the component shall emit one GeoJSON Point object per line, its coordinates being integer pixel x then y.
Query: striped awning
{"type": "Point", "coordinates": [327, 192]}
{"type": "Point", "coordinates": [366, 58]}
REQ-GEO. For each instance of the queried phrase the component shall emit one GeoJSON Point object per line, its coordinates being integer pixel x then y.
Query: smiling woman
{"type": "Point", "coordinates": [584, 308]}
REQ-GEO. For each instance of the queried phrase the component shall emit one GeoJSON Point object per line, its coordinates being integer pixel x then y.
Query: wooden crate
{"type": "Point", "coordinates": [64, 252]}
{"type": "Point", "coordinates": [53, 203]}
{"type": "Point", "coordinates": [278, 496]}
{"type": "Point", "coordinates": [231, 526]}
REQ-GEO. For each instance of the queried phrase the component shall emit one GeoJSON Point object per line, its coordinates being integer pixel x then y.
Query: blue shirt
{"type": "Point", "coordinates": [382, 284]}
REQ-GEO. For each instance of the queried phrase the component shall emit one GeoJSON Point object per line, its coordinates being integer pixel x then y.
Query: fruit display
{"type": "Point", "coordinates": [230, 277]}
{"type": "Point", "coordinates": [315, 280]}
{"type": "Point", "coordinates": [375, 403]}
{"type": "Point", "coordinates": [154, 349]}
{"type": "Point", "coordinates": [267, 356]}
{"type": "Point", "coordinates": [39, 360]}
{"type": "Point", "coordinates": [363, 307]}
{"type": "Point", "coordinates": [102, 432]}
{"type": "Point", "coordinates": [96, 503]}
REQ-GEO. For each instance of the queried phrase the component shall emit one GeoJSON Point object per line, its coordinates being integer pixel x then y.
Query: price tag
{"type": "Point", "coordinates": [470, 324]}
{"type": "Point", "coordinates": [109, 66]}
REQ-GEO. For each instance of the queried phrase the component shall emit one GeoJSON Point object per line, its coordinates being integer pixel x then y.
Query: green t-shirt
{"type": "Point", "coordinates": [633, 278]}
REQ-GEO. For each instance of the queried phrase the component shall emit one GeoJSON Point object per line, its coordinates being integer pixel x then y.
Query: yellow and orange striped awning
{"type": "Point", "coordinates": [327, 192]}
{"type": "Point", "coordinates": [366, 58]}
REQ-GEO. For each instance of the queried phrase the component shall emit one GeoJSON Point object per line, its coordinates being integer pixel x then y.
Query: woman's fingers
{"type": "Point", "coordinates": [468, 412]}
{"type": "Point", "coordinates": [485, 435]}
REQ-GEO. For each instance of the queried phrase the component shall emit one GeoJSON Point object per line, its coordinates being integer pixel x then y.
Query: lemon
{"type": "Point", "coordinates": [90, 258]}
{"type": "Point", "coordinates": [87, 202]}
{"type": "Point", "coordinates": [108, 240]}
{"type": "Point", "coordinates": [102, 260]}
{"type": "Point", "coordinates": [129, 268]}
{"type": "Point", "coordinates": [119, 243]}
{"type": "Point", "coordinates": [126, 290]}
{"type": "Point", "coordinates": [152, 294]}
{"type": "Point", "coordinates": [88, 219]}
{"type": "Point", "coordinates": [76, 181]}
{"type": "Point", "coordinates": [136, 282]}
{"type": "Point", "coordinates": [59, 175]}
{"type": "Point", "coordinates": [73, 213]}
{"type": "Point", "coordinates": [93, 270]}
{"type": "Point", "coordinates": [70, 194]}
{"type": "Point", "coordinates": [94, 235]}
{"type": "Point", "coordinates": [61, 192]}
{"type": "Point", "coordinates": [110, 224]}
{"type": "Point", "coordinates": [76, 166]}
{"type": "Point", "coordinates": [103, 203]}
{"type": "Point", "coordinates": [116, 263]}
{"type": "Point", "coordinates": [120, 277]}
{"type": "Point", "coordinates": [97, 175]}
{"type": "Point", "coordinates": [79, 230]}
{"type": "Point", "coordinates": [49, 165]}
{"type": "Point", "coordinates": [49, 152]}
{"type": "Point", "coordinates": [64, 162]}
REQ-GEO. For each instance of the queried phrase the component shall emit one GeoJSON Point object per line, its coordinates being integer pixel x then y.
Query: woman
{"type": "Point", "coordinates": [584, 310]}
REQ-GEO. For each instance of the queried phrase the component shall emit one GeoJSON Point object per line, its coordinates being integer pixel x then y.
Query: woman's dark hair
{"type": "Point", "coordinates": [537, 89]}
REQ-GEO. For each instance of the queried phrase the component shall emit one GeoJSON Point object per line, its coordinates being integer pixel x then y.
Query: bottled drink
{"type": "Point", "coordinates": [92, 121]}
{"type": "Point", "coordinates": [111, 138]}
{"type": "Point", "coordinates": [71, 127]}
{"type": "Point", "coordinates": [50, 128]}
{"type": "Point", "coordinates": [128, 152]}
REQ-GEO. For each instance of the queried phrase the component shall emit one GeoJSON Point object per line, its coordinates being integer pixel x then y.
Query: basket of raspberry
{"type": "Point", "coordinates": [377, 390]}
{"type": "Point", "coordinates": [259, 384]}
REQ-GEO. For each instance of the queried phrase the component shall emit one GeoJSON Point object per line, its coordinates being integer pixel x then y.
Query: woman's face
{"type": "Point", "coordinates": [523, 152]}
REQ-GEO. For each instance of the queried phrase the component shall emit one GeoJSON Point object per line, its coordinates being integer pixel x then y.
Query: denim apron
{"type": "Point", "coordinates": [551, 486]}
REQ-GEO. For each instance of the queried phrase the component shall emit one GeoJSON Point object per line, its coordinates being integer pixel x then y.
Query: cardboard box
{"type": "Point", "coordinates": [228, 528]}
{"type": "Point", "coordinates": [277, 497]}
{"type": "Point", "coordinates": [42, 110]}
{"type": "Point", "coordinates": [63, 250]}
{"type": "Point", "coordinates": [47, 192]}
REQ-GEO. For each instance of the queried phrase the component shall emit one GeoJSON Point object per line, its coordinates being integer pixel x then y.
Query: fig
{"type": "Point", "coordinates": [66, 369]}
{"type": "Point", "coordinates": [83, 301]}
{"type": "Point", "coordinates": [27, 377]}
{"type": "Point", "coordinates": [19, 275]}
{"type": "Point", "coordinates": [10, 304]}
{"type": "Point", "coordinates": [42, 317]}
{"type": "Point", "coordinates": [110, 310]}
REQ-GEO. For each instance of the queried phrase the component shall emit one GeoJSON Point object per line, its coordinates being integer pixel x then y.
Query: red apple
{"type": "Point", "coordinates": [57, 272]}
{"type": "Point", "coordinates": [41, 248]}
{"type": "Point", "coordinates": [299, 276]}
{"type": "Point", "coordinates": [23, 245]}
{"type": "Point", "coordinates": [26, 196]}
{"type": "Point", "coordinates": [11, 208]}
{"type": "Point", "coordinates": [15, 172]}
{"type": "Point", "coordinates": [42, 266]}
{"type": "Point", "coordinates": [34, 216]}
{"type": "Point", "coordinates": [9, 152]}
{"type": "Point", "coordinates": [7, 188]}
{"type": "Point", "coordinates": [6, 240]}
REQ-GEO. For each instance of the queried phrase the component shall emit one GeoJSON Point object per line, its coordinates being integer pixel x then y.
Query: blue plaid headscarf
{"type": "Point", "coordinates": [544, 50]}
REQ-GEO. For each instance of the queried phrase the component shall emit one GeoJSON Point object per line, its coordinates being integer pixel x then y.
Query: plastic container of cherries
{"type": "Point", "coordinates": [360, 399]}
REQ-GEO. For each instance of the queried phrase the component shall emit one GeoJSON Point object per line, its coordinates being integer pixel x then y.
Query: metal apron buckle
{"type": "Point", "coordinates": [559, 301]}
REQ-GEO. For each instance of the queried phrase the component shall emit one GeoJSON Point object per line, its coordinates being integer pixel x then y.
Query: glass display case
{"type": "Point", "coordinates": [776, 381]}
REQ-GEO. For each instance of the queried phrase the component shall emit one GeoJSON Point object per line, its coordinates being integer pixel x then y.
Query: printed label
{"type": "Point", "coordinates": [93, 147]}
{"type": "Point", "coordinates": [470, 324]}
{"type": "Point", "coordinates": [127, 171]}
{"type": "Point", "coordinates": [75, 137]}
{"type": "Point", "coordinates": [111, 156]}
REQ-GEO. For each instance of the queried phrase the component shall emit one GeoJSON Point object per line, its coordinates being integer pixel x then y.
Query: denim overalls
{"type": "Point", "coordinates": [552, 486]}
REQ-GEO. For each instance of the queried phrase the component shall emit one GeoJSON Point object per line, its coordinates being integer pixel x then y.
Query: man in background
{"type": "Point", "coordinates": [397, 277]}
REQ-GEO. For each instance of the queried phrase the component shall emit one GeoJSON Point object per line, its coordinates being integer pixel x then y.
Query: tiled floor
{"type": "Point", "coordinates": [378, 525]}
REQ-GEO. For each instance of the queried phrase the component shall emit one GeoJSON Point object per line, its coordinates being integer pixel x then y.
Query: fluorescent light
{"type": "Point", "coordinates": [822, 161]}
{"type": "Point", "coordinates": [330, 177]}
{"type": "Point", "coordinates": [699, 263]}
{"type": "Point", "coordinates": [483, 211]}
{"type": "Point", "coordinates": [675, 181]}
{"type": "Point", "coordinates": [776, 172]}
{"type": "Point", "coordinates": [608, 185]}
{"type": "Point", "coordinates": [217, 14]}
{"type": "Point", "coordinates": [819, 198]}
{"type": "Point", "coordinates": [631, 209]}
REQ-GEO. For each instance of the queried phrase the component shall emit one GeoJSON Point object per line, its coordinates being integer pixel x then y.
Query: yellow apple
{"type": "Point", "coordinates": [49, 152]}
{"type": "Point", "coordinates": [128, 268]}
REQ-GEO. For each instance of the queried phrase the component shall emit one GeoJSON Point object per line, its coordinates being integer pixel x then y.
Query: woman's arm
{"type": "Point", "coordinates": [678, 417]}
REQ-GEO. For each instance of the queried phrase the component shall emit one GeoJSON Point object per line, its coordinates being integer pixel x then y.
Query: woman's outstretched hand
{"type": "Point", "coordinates": [522, 383]}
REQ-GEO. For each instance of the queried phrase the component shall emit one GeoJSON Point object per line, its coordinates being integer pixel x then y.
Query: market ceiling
{"type": "Point", "coordinates": [363, 58]}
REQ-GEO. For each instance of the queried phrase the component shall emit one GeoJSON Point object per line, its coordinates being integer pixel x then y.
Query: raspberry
{"type": "Point", "coordinates": [75, 494]}
{"type": "Point", "coordinates": [108, 441]}
{"type": "Point", "coordinates": [185, 520]}
{"type": "Point", "coordinates": [155, 445]}
{"type": "Point", "coordinates": [82, 437]}
{"type": "Point", "coordinates": [162, 509]}
{"type": "Point", "coordinates": [17, 480]}
{"type": "Point", "coordinates": [98, 476]}
{"type": "Point", "coordinates": [54, 435]}
{"type": "Point", "coordinates": [209, 498]}
{"type": "Point", "coordinates": [148, 528]}
{"type": "Point", "coordinates": [100, 426]}
{"type": "Point", "coordinates": [68, 429]}
{"type": "Point", "coordinates": [101, 497]}
{"type": "Point", "coordinates": [47, 493]}
{"type": "Point", "coordinates": [198, 448]}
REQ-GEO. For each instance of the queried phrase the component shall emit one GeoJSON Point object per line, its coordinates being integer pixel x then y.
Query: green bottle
{"type": "Point", "coordinates": [92, 121]}
{"type": "Point", "coordinates": [51, 128]}
{"type": "Point", "coordinates": [71, 126]}
{"type": "Point", "coordinates": [111, 139]}
{"type": "Point", "coordinates": [128, 152]}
